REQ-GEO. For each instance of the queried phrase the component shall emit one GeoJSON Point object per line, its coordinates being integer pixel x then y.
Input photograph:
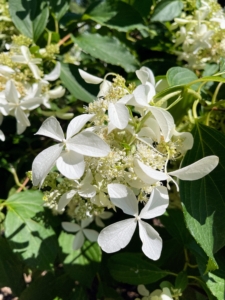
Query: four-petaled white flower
{"type": "Point", "coordinates": [70, 162]}
{"type": "Point", "coordinates": [82, 232]}
{"type": "Point", "coordinates": [118, 235]}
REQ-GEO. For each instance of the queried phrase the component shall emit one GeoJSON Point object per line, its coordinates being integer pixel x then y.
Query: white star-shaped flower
{"type": "Point", "coordinates": [82, 232]}
{"type": "Point", "coordinates": [118, 235]}
{"type": "Point", "coordinates": [70, 162]}
{"type": "Point", "coordinates": [194, 171]}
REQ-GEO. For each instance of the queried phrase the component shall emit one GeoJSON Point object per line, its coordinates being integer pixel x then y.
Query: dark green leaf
{"type": "Point", "coordinates": [75, 84]}
{"type": "Point", "coordinates": [35, 241]}
{"type": "Point", "coordinates": [11, 269]}
{"type": "Point", "coordinates": [108, 49]}
{"type": "Point", "coordinates": [59, 7]}
{"type": "Point", "coordinates": [181, 281]}
{"type": "Point", "coordinates": [204, 201]}
{"type": "Point", "coordinates": [29, 16]}
{"type": "Point", "coordinates": [114, 14]}
{"type": "Point", "coordinates": [134, 269]}
{"type": "Point", "coordinates": [79, 294]}
{"type": "Point", "coordinates": [167, 10]}
{"type": "Point", "coordinates": [180, 76]}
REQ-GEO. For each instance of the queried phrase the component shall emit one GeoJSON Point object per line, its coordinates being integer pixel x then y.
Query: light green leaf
{"type": "Point", "coordinates": [34, 241]}
{"type": "Point", "coordinates": [11, 269]}
{"type": "Point", "coordinates": [204, 200]}
{"type": "Point", "coordinates": [216, 285]}
{"type": "Point", "coordinates": [133, 269]}
{"type": "Point", "coordinates": [115, 14]}
{"type": "Point", "coordinates": [72, 80]}
{"type": "Point", "coordinates": [180, 76]}
{"type": "Point", "coordinates": [108, 49]}
{"type": "Point", "coordinates": [167, 10]}
{"type": "Point", "coordinates": [30, 17]}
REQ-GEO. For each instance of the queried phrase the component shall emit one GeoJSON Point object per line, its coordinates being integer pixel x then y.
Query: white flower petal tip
{"type": "Point", "coordinates": [51, 128]}
{"type": "Point", "coordinates": [2, 136]}
{"type": "Point", "coordinates": [90, 78]}
{"type": "Point", "coordinates": [198, 169]}
{"type": "Point", "coordinates": [54, 74]}
{"type": "Point", "coordinates": [118, 115]}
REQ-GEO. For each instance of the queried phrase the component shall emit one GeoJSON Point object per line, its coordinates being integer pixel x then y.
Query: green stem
{"type": "Point", "coordinates": [216, 92]}
{"type": "Point", "coordinates": [16, 179]}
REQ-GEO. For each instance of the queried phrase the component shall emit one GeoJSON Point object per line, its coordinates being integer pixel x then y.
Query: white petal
{"type": "Point", "coordinates": [65, 199]}
{"type": "Point", "coordinates": [124, 198]}
{"type": "Point", "coordinates": [187, 142]}
{"type": "Point", "coordinates": [52, 129]}
{"type": "Point", "coordinates": [2, 136]}
{"type": "Point", "coordinates": [111, 127]}
{"type": "Point", "coordinates": [104, 88]}
{"type": "Point", "coordinates": [152, 242]}
{"type": "Point", "coordinates": [54, 74]}
{"type": "Point", "coordinates": [43, 163]}
{"type": "Point", "coordinates": [71, 164]}
{"type": "Point", "coordinates": [198, 169]}
{"type": "Point", "coordinates": [78, 240]}
{"type": "Point", "coordinates": [87, 191]}
{"type": "Point", "coordinates": [88, 178]}
{"type": "Point", "coordinates": [11, 93]}
{"type": "Point", "coordinates": [20, 128]}
{"type": "Point", "coordinates": [118, 115]}
{"type": "Point", "coordinates": [142, 290]}
{"type": "Point", "coordinates": [106, 215]}
{"type": "Point", "coordinates": [56, 93]}
{"type": "Point", "coordinates": [31, 104]}
{"type": "Point", "coordinates": [165, 121]}
{"type": "Point", "coordinates": [157, 203]}
{"type": "Point", "coordinates": [91, 235]}
{"type": "Point", "coordinates": [148, 174]}
{"type": "Point", "coordinates": [117, 236]}
{"type": "Point", "coordinates": [35, 70]}
{"type": "Point", "coordinates": [70, 227]}
{"type": "Point", "coordinates": [86, 222]}
{"type": "Point", "coordinates": [141, 96]}
{"type": "Point", "coordinates": [6, 71]}
{"type": "Point", "coordinates": [145, 75]}
{"type": "Point", "coordinates": [90, 78]}
{"type": "Point", "coordinates": [21, 117]}
{"type": "Point", "coordinates": [88, 143]}
{"type": "Point", "coordinates": [153, 125]}
{"type": "Point", "coordinates": [77, 123]}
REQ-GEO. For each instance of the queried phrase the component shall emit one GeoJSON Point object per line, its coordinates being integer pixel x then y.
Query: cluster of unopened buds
{"type": "Point", "coordinates": [200, 33]}
{"type": "Point", "coordinates": [116, 155]}
{"type": "Point", "coordinates": [23, 85]}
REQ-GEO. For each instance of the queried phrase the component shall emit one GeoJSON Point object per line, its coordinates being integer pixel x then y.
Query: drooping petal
{"type": "Point", "coordinates": [88, 143]}
{"type": "Point", "coordinates": [78, 240]}
{"type": "Point", "coordinates": [157, 203]}
{"type": "Point", "coordinates": [77, 123]}
{"type": "Point", "coordinates": [124, 198]}
{"type": "Point", "coordinates": [71, 164]}
{"type": "Point", "coordinates": [21, 117]}
{"type": "Point", "coordinates": [87, 191]}
{"type": "Point", "coordinates": [118, 115]}
{"type": "Point", "coordinates": [104, 88]}
{"type": "Point", "coordinates": [54, 74]}
{"type": "Point", "coordinates": [148, 174]}
{"type": "Point", "coordinates": [20, 128]}
{"type": "Point", "coordinates": [52, 129]}
{"type": "Point", "coordinates": [56, 93]}
{"type": "Point", "coordinates": [11, 93]}
{"type": "Point", "coordinates": [65, 199]}
{"type": "Point", "coordinates": [90, 78]}
{"type": "Point", "coordinates": [35, 70]}
{"type": "Point", "coordinates": [142, 290]}
{"type": "Point", "coordinates": [43, 163]}
{"type": "Point", "coordinates": [152, 242]}
{"type": "Point", "coordinates": [165, 121]}
{"type": "Point", "coordinates": [6, 71]}
{"type": "Point", "coordinates": [141, 96]}
{"type": "Point", "coordinates": [198, 169]}
{"type": "Point", "coordinates": [91, 235]}
{"type": "Point", "coordinates": [145, 75]}
{"type": "Point", "coordinates": [70, 227]}
{"type": "Point", "coordinates": [117, 236]}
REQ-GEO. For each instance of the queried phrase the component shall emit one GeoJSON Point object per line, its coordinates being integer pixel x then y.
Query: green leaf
{"type": "Point", "coordinates": [134, 269]}
{"type": "Point", "coordinates": [222, 64]}
{"type": "Point", "coordinates": [26, 232]}
{"type": "Point", "coordinates": [11, 269]}
{"type": "Point", "coordinates": [216, 285]}
{"type": "Point", "coordinates": [204, 201]}
{"type": "Point", "coordinates": [72, 80]}
{"type": "Point", "coordinates": [30, 17]}
{"type": "Point", "coordinates": [115, 14]}
{"type": "Point", "coordinates": [181, 281]}
{"type": "Point", "coordinates": [81, 264]}
{"type": "Point", "coordinates": [167, 10]}
{"type": "Point", "coordinates": [180, 76]}
{"type": "Point", "coordinates": [59, 7]}
{"type": "Point", "coordinates": [108, 49]}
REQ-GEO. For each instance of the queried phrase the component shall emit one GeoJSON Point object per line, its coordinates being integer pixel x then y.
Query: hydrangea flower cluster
{"type": "Point", "coordinates": [116, 155]}
{"type": "Point", "coordinates": [23, 85]}
{"type": "Point", "coordinates": [199, 33]}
